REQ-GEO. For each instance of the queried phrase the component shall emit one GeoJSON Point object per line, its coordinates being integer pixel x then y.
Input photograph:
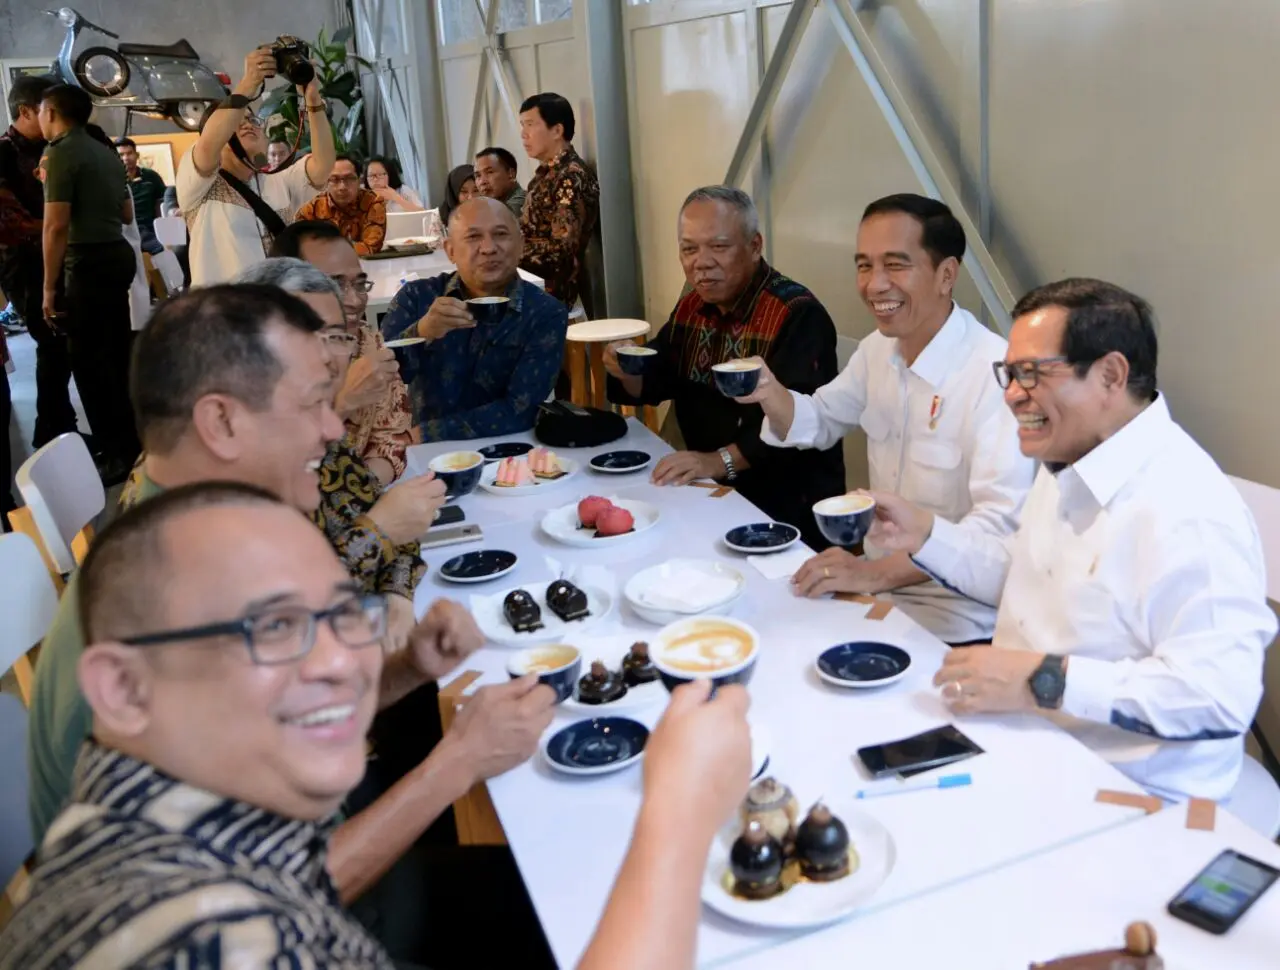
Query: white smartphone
{"type": "Point", "coordinates": [451, 537]}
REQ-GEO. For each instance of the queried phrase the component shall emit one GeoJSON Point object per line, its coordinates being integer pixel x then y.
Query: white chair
{"type": "Point", "coordinates": [402, 225]}
{"type": "Point", "coordinates": [28, 602]}
{"type": "Point", "coordinates": [171, 231]}
{"type": "Point", "coordinates": [61, 487]}
{"type": "Point", "coordinates": [1256, 797]}
{"type": "Point", "coordinates": [166, 264]}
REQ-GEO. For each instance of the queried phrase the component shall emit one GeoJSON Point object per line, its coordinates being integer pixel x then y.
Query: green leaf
{"type": "Point", "coordinates": [353, 122]}
{"type": "Point", "coordinates": [341, 35]}
{"type": "Point", "coordinates": [362, 62]}
{"type": "Point", "coordinates": [336, 54]}
{"type": "Point", "coordinates": [274, 99]}
{"type": "Point", "coordinates": [342, 88]}
{"type": "Point", "coordinates": [321, 42]}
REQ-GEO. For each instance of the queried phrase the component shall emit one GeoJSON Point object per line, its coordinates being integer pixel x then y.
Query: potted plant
{"type": "Point", "coordinates": [340, 88]}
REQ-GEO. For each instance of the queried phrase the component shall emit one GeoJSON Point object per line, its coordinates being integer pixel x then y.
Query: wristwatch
{"type": "Point", "coordinates": [1048, 681]}
{"type": "Point", "coordinates": [730, 473]}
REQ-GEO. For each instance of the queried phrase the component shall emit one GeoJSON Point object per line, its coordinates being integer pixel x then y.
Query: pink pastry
{"type": "Point", "coordinates": [513, 473]}
{"type": "Point", "coordinates": [544, 463]}
{"type": "Point", "coordinates": [614, 522]}
{"type": "Point", "coordinates": [589, 510]}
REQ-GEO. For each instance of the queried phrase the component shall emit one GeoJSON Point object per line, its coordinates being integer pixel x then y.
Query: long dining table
{"type": "Point", "coordinates": [1023, 864]}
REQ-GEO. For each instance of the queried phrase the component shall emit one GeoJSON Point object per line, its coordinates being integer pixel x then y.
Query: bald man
{"type": "Point", "coordinates": [483, 368]}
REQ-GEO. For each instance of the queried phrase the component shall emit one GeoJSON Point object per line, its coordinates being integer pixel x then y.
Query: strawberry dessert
{"type": "Point", "coordinates": [544, 463]}
{"type": "Point", "coordinates": [614, 521]}
{"type": "Point", "coordinates": [514, 473]}
{"type": "Point", "coordinates": [589, 510]}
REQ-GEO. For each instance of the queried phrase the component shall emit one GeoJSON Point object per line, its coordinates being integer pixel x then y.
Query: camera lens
{"type": "Point", "coordinates": [291, 61]}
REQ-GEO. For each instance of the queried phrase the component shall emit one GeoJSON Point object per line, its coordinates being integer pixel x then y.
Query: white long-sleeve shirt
{"type": "Point", "coordinates": [1142, 564]}
{"type": "Point", "coordinates": [938, 434]}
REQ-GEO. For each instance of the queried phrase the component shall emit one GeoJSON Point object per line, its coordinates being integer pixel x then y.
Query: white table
{"type": "Point", "coordinates": [1033, 791]}
{"type": "Point", "coordinates": [387, 273]}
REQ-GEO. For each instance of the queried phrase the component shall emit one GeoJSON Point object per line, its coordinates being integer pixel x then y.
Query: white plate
{"type": "Point", "coordinates": [636, 587]}
{"type": "Point", "coordinates": [807, 903]}
{"type": "Point", "coordinates": [600, 331]}
{"type": "Point", "coordinates": [563, 524]}
{"type": "Point", "coordinates": [567, 465]}
{"type": "Point", "coordinates": [611, 649]}
{"type": "Point", "coordinates": [488, 616]}
{"type": "Point", "coordinates": [401, 242]}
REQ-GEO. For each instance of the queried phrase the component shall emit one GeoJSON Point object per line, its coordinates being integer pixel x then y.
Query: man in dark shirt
{"type": "Point", "coordinates": [738, 306]}
{"type": "Point", "coordinates": [147, 189]}
{"type": "Point", "coordinates": [563, 199]}
{"type": "Point", "coordinates": [86, 202]}
{"type": "Point", "coordinates": [496, 178]}
{"type": "Point", "coordinates": [483, 369]}
{"type": "Point", "coordinates": [21, 266]}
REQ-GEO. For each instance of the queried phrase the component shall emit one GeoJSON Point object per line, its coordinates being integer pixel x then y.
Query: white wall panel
{"type": "Point", "coordinates": [460, 75]}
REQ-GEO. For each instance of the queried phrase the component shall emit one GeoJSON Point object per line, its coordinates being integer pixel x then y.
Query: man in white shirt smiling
{"type": "Point", "coordinates": [1133, 595]}
{"type": "Point", "coordinates": [937, 430]}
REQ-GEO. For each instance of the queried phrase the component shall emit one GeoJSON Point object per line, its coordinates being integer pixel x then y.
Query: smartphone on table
{"type": "Point", "coordinates": [451, 536]}
{"type": "Point", "coordinates": [922, 752]}
{"type": "Point", "coordinates": [1223, 891]}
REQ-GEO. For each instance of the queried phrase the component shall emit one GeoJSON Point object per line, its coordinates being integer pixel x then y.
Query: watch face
{"type": "Point", "coordinates": [1047, 686]}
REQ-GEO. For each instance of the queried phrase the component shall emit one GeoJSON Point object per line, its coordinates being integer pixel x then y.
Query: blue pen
{"type": "Point", "coordinates": [946, 781]}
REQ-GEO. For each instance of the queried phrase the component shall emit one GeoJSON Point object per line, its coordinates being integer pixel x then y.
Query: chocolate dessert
{"type": "Point", "coordinates": [600, 685]}
{"type": "Point", "coordinates": [637, 668]}
{"type": "Point", "coordinates": [522, 611]}
{"type": "Point", "coordinates": [756, 863]}
{"type": "Point", "coordinates": [567, 601]}
{"type": "Point", "coordinates": [822, 846]}
{"type": "Point", "coordinates": [772, 804]}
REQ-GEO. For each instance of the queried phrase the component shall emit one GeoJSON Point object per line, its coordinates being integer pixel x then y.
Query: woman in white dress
{"type": "Point", "coordinates": [382, 175]}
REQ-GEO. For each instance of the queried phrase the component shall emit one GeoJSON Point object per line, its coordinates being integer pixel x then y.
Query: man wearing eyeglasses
{"type": "Point", "coordinates": [1133, 595]}
{"type": "Point", "coordinates": [357, 212]}
{"type": "Point", "coordinates": [920, 387]}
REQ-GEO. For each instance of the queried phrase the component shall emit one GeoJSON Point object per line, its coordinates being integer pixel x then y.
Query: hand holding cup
{"type": "Point", "coordinates": [445, 316]}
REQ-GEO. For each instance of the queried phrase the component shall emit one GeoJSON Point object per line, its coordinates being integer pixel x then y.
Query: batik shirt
{"type": "Point", "coordinates": [486, 380]}
{"type": "Point", "coordinates": [382, 430]}
{"type": "Point", "coordinates": [560, 211]}
{"type": "Point", "coordinates": [364, 222]}
{"type": "Point", "coordinates": [144, 871]}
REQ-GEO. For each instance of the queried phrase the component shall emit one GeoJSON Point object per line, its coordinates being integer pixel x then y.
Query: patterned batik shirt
{"type": "Point", "coordinates": [143, 871]}
{"type": "Point", "coordinates": [382, 430]}
{"type": "Point", "coordinates": [348, 490]}
{"type": "Point", "coordinates": [775, 318]}
{"type": "Point", "coordinates": [560, 211]}
{"type": "Point", "coordinates": [364, 222]}
{"type": "Point", "coordinates": [484, 380]}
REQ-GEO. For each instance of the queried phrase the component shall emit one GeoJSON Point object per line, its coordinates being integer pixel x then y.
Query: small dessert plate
{"type": "Point", "coordinates": [609, 649]}
{"type": "Point", "coordinates": [596, 746]}
{"type": "Point", "coordinates": [563, 524]}
{"type": "Point", "coordinates": [478, 567]}
{"type": "Point", "coordinates": [490, 474]}
{"type": "Point", "coordinates": [761, 537]}
{"type": "Point", "coordinates": [487, 611]}
{"type": "Point", "coordinates": [621, 462]}
{"type": "Point", "coordinates": [862, 664]}
{"type": "Point", "coordinates": [505, 449]}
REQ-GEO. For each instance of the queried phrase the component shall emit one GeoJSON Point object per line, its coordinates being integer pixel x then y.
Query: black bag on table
{"type": "Point", "coordinates": [561, 424]}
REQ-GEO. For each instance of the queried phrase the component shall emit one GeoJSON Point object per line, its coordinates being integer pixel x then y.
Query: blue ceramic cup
{"type": "Point", "coordinates": [459, 470]}
{"type": "Point", "coordinates": [715, 648]}
{"type": "Point", "coordinates": [557, 665]}
{"type": "Point", "coordinates": [845, 519]}
{"type": "Point", "coordinates": [736, 378]}
{"type": "Point", "coordinates": [633, 360]}
{"type": "Point", "coordinates": [401, 348]}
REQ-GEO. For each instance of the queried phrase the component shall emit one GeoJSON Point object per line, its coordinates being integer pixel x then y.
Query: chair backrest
{"type": "Point", "coordinates": [28, 600]}
{"type": "Point", "coordinates": [60, 484]}
{"type": "Point", "coordinates": [16, 842]}
{"type": "Point", "coordinates": [171, 230]}
{"type": "Point", "coordinates": [1264, 503]}
{"type": "Point", "coordinates": [170, 270]}
{"type": "Point", "coordinates": [405, 224]}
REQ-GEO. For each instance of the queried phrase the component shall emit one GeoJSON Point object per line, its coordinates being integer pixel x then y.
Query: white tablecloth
{"type": "Point", "coordinates": [1033, 792]}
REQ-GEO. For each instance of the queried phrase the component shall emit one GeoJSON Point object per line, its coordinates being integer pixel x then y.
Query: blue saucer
{"type": "Point", "coordinates": [596, 746]}
{"type": "Point", "coordinates": [863, 664]}
{"type": "Point", "coordinates": [505, 449]}
{"type": "Point", "coordinates": [761, 537]}
{"type": "Point", "coordinates": [477, 567]}
{"type": "Point", "coordinates": [621, 462]}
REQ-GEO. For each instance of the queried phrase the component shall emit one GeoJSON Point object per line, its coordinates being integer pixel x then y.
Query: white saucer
{"type": "Point", "coordinates": [567, 465]}
{"type": "Point", "coordinates": [563, 524]}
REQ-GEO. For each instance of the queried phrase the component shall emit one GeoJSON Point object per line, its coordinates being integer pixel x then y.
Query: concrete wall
{"type": "Point", "coordinates": [222, 31]}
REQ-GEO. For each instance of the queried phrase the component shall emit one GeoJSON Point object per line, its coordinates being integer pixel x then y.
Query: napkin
{"type": "Point", "coordinates": [778, 565]}
{"type": "Point", "coordinates": [687, 590]}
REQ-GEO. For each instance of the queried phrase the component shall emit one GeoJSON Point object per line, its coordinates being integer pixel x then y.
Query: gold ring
{"type": "Point", "coordinates": [826, 572]}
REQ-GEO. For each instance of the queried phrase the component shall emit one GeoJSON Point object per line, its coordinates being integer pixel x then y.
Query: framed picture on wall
{"type": "Point", "coordinates": [12, 68]}
{"type": "Point", "coordinates": [159, 158]}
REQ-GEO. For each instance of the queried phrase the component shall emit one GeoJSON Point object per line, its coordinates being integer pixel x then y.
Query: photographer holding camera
{"type": "Point", "coordinates": [233, 210]}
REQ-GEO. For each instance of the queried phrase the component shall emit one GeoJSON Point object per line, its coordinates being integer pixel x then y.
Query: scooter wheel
{"type": "Point", "coordinates": [102, 72]}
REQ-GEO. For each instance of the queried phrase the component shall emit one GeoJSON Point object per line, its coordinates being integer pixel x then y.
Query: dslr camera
{"type": "Point", "coordinates": [292, 59]}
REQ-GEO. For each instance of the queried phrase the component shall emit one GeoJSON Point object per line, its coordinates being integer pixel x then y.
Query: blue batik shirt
{"type": "Point", "coordinates": [483, 381]}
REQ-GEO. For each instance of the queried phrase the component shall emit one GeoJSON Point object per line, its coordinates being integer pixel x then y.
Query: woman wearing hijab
{"type": "Point", "coordinates": [461, 187]}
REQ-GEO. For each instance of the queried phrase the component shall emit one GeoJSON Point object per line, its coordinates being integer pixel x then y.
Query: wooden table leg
{"type": "Point", "coordinates": [473, 813]}
{"type": "Point", "coordinates": [599, 389]}
{"type": "Point", "coordinates": [575, 361]}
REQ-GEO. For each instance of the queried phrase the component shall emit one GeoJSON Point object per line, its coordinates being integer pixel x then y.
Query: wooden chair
{"type": "Point", "coordinates": [154, 279]}
{"type": "Point", "coordinates": [473, 813]}
{"type": "Point", "coordinates": [20, 521]}
{"type": "Point", "coordinates": [62, 490]}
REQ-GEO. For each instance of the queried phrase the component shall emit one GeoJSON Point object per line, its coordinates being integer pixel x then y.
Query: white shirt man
{"type": "Point", "coordinates": [938, 433]}
{"type": "Point", "coordinates": [1136, 560]}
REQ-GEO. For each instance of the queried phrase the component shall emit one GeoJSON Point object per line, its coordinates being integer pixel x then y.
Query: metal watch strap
{"type": "Point", "coordinates": [730, 473]}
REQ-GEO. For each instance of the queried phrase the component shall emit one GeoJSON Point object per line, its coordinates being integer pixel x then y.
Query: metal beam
{"type": "Point", "coordinates": [494, 55]}
{"type": "Point", "coordinates": [992, 287]}
{"type": "Point", "coordinates": [753, 132]}
{"type": "Point", "coordinates": [477, 107]}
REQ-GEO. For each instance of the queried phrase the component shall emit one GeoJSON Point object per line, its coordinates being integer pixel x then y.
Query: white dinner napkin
{"type": "Point", "coordinates": [779, 565]}
{"type": "Point", "coordinates": [687, 590]}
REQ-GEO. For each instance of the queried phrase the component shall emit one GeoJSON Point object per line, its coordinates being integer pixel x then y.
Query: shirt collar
{"type": "Point", "coordinates": [116, 782]}
{"type": "Point", "coordinates": [1109, 466]}
{"type": "Point", "coordinates": [454, 287]}
{"type": "Point", "coordinates": [567, 154]}
{"type": "Point", "coordinates": [939, 357]}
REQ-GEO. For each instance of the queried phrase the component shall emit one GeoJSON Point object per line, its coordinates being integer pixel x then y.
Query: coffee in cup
{"type": "Point", "coordinates": [715, 648]}
{"type": "Point", "coordinates": [845, 519]}
{"type": "Point", "coordinates": [557, 665]}
{"type": "Point", "coordinates": [459, 470]}
{"type": "Point", "coordinates": [633, 359]}
{"type": "Point", "coordinates": [488, 309]}
{"type": "Point", "coordinates": [736, 378]}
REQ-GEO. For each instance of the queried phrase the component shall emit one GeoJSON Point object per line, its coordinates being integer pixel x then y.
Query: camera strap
{"type": "Point", "coordinates": [268, 216]}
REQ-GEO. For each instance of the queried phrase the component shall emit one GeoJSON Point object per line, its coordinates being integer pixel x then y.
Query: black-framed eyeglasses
{"type": "Point", "coordinates": [362, 285]}
{"type": "Point", "coordinates": [1026, 372]}
{"type": "Point", "coordinates": [283, 634]}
